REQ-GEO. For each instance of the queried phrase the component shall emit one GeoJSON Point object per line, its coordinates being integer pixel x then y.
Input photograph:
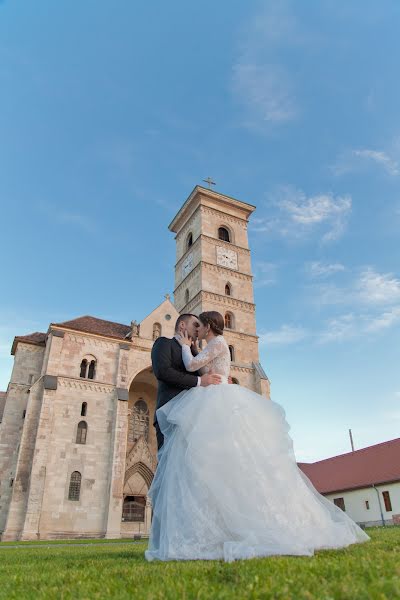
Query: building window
{"type": "Point", "coordinates": [189, 241]}
{"type": "Point", "coordinates": [232, 353]}
{"type": "Point", "coordinates": [156, 331]}
{"type": "Point", "coordinates": [84, 409]}
{"type": "Point", "coordinates": [92, 369]}
{"type": "Point", "coordinates": [186, 296]}
{"type": "Point", "coordinates": [140, 421]}
{"type": "Point", "coordinates": [75, 486]}
{"type": "Point", "coordinates": [83, 368]}
{"type": "Point", "coordinates": [88, 368]}
{"type": "Point", "coordinates": [367, 504]}
{"type": "Point", "coordinates": [23, 414]}
{"type": "Point", "coordinates": [340, 503]}
{"type": "Point", "coordinates": [228, 289]}
{"type": "Point", "coordinates": [81, 433]}
{"type": "Point", "coordinates": [229, 321]}
{"type": "Point", "coordinates": [386, 499]}
{"type": "Point", "coordinates": [11, 481]}
{"type": "Point", "coordinates": [234, 380]}
{"type": "Point", "coordinates": [134, 508]}
{"type": "Point", "coordinates": [223, 234]}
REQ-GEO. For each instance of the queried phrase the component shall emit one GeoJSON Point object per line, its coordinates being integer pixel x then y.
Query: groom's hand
{"type": "Point", "coordinates": [210, 379]}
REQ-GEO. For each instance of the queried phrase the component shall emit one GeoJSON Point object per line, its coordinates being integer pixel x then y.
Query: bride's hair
{"type": "Point", "coordinates": [214, 319]}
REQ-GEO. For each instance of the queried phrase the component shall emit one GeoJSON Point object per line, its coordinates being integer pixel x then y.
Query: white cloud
{"type": "Point", "coordinates": [265, 92]}
{"type": "Point", "coordinates": [317, 269]}
{"type": "Point", "coordinates": [338, 329]}
{"type": "Point", "coordinates": [297, 216]}
{"type": "Point", "coordinates": [377, 288]}
{"type": "Point", "coordinates": [386, 320]}
{"type": "Point", "coordinates": [287, 334]}
{"type": "Point", "coordinates": [356, 160]}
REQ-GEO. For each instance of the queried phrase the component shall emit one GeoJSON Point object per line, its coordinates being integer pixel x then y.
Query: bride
{"type": "Point", "coordinates": [227, 485]}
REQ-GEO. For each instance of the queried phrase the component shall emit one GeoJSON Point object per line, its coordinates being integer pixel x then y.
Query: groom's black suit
{"type": "Point", "coordinates": [171, 374]}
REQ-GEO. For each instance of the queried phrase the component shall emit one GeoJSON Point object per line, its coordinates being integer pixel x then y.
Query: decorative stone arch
{"type": "Point", "coordinates": [88, 367]}
{"type": "Point", "coordinates": [143, 470]}
{"type": "Point", "coordinates": [146, 366]}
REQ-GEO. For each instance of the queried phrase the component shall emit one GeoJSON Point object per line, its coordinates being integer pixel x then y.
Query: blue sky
{"type": "Point", "coordinates": [111, 112]}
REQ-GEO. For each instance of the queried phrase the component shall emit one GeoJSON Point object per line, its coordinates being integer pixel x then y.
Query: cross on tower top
{"type": "Point", "coordinates": [209, 181]}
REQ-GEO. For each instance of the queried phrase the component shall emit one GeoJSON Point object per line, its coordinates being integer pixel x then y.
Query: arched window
{"type": "Point", "coordinates": [92, 369]}
{"type": "Point", "coordinates": [83, 368]}
{"type": "Point", "coordinates": [232, 353]}
{"type": "Point", "coordinates": [229, 321]}
{"type": "Point", "coordinates": [228, 289]}
{"type": "Point", "coordinates": [189, 241]}
{"type": "Point", "coordinates": [234, 380]}
{"type": "Point", "coordinates": [186, 296]}
{"type": "Point", "coordinates": [156, 331]}
{"type": "Point", "coordinates": [84, 409]}
{"type": "Point", "coordinates": [81, 433]}
{"type": "Point", "coordinates": [75, 486]}
{"type": "Point", "coordinates": [223, 234]}
{"type": "Point", "coordinates": [134, 508]}
{"type": "Point", "coordinates": [140, 420]}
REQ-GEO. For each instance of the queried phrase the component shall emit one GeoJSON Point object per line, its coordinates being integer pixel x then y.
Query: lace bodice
{"type": "Point", "coordinates": [215, 358]}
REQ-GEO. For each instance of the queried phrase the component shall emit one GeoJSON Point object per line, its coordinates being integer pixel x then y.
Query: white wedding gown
{"type": "Point", "coordinates": [227, 485]}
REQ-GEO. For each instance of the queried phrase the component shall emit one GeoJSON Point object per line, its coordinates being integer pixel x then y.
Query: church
{"type": "Point", "coordinates": [77, 446]}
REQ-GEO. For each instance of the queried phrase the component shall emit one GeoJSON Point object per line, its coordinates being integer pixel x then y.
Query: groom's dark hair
{"type": "Point", "coordinates": [183, 319]}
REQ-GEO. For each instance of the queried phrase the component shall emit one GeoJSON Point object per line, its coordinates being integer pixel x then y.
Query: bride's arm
{"type": "Point", "coordinates": [194, 363]}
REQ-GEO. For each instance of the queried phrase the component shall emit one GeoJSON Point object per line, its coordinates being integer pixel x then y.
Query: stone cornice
{"type": "Point", "coordinates": [241, 368]}
{"type": "Point", "coordinates": [226, 301]}
{"type": "Point", "coordinates": [84, 384]}
{"type": "Point", "coordinates": [137, 343]}
{"type": "Point", "coordinates": [224, 217]}
{"type": "Point", "coordinates": [230, 273]}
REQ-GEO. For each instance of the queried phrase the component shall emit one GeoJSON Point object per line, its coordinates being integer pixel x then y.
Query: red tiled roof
{"type": "Point", "coordinates": [37, 339]}
{"type": "Point", "coordinates": [90, 324]}
{"type": "Point", "coordinates": [362, 468]}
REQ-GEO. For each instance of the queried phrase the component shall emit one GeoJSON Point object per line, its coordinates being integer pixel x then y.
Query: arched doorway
{"type": "Point", "coordinates": [141, 454]}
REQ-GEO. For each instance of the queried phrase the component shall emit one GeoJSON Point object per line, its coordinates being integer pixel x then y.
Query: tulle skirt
{"type": "Point", "coordinates": [227, 485]}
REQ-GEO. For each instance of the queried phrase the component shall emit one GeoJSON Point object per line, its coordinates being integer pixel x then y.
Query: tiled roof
{"type": "Point", "coordinates": [358, 469]}
{"type": "Point", "coordinates": [37, 339]}
{"type": "Point", "coordinates": [90, 324]}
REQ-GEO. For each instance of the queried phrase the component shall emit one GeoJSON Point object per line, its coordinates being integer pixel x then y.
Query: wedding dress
{"type": "Point", "coordinates": [227, 485]}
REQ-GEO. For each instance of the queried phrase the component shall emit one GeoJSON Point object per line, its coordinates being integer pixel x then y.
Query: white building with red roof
{"type": "Point", "coordinates": [364, 483]}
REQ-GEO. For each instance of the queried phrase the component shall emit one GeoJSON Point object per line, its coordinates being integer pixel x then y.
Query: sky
{"type": "Point", "coordinates": [110, 114]}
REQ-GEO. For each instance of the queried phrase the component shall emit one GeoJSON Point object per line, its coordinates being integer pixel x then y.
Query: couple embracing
{"type": "Point", "coordinates": [227, 485]}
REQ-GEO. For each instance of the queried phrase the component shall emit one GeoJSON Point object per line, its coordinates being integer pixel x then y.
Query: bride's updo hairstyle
{"type": "Point", "coordinates": [214, 319]}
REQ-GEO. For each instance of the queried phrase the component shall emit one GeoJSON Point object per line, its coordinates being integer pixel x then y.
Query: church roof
{"type": "Point", "coordinates": [89, 324]}
{"type": "Point", "coordinates": [37, 339]}
{"type": "Point", "coordinates": [362, 468]}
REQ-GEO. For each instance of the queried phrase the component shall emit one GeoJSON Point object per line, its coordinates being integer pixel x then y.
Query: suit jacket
{"type": "Point", "coordinates": [170, 371]}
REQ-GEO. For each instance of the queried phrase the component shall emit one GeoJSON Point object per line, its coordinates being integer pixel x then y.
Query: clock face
{"type": "Point", "coordinates": [187, 265]}
{"type": "Point", "coordinates": [227, 258]}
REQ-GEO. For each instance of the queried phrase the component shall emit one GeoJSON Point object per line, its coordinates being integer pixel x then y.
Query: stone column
{"type": "Point", "coordinates": [119, 437]}
{"type": "Point", "coordinates": [147, 516]}
{"type": "Point", "coordinates": [40, 458]}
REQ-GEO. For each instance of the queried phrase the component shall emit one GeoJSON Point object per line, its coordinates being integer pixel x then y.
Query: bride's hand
{"type": "Point", "coordinates": [184, 339]}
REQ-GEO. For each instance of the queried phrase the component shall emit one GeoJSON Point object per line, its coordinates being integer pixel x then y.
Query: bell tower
{"type": "Point", "coordinates": [213, 272]}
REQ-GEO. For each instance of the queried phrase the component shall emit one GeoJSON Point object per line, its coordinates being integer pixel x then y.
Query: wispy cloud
{"type": "Point", "coordinates": [262, 85]}
{"type": "Point", "coordinates": [357, 160]}
{"type": "Point", "coordinates": [285, 335]}
{"type": "Point", "coordinates": [265, 92]}
{"type": "Point", "coordinates": [317, 269]}
{"type": "Point", "coordinates": [297, 215]}
{"type": "Point", "coordinates": [264, 274]}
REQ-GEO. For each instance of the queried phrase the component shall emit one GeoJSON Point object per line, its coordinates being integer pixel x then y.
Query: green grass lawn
{"type": "Point", "coordinates": [368, 571]}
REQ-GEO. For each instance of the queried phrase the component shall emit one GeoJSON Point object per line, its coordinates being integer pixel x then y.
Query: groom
{"type": "Point", "coordinates": [169, 369]}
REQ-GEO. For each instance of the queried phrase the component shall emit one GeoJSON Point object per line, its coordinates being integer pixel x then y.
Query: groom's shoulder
{"type": "Point", "coordinates": [162, 342]}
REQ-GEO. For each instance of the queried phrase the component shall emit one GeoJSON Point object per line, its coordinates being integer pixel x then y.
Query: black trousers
{"type": "Point", "coordinates": [160, 437]}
